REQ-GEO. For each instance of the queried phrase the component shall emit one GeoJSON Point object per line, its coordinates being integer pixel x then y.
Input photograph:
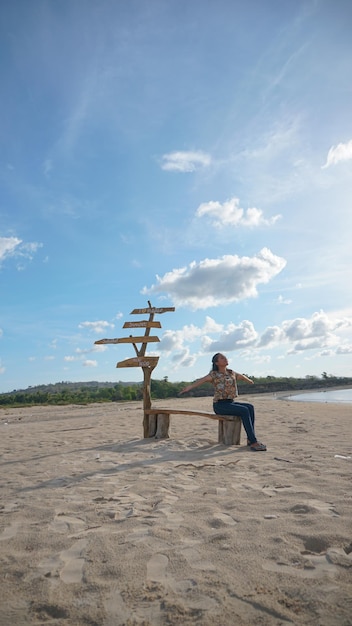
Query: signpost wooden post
{"type": "Point", "coordinates": [147, 363]}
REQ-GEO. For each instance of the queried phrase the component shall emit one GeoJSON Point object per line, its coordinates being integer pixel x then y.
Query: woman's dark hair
{"type": "Point", "coordinates": [215, 361]}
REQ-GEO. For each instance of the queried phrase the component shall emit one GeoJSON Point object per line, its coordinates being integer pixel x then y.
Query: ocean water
{"type": "Point", "coordinates": [338, 396]}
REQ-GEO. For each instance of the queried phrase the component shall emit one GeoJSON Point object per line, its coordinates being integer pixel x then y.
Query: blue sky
{"type": "Point", "coordinates": [194, 154]}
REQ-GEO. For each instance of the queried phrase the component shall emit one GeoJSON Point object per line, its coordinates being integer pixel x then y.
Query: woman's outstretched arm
{"type": "Point", "coordinates": [244, 377]}
{"type": "Point", "coordinates": [197, 383]}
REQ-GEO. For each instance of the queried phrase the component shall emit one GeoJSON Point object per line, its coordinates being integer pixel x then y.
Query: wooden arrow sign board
{"type": "Point", "coordinates": [151, 310]}
{"type": "Point", "coordinates": [143, 339]}
{"type": "Point", "coordinates": [139, 361]}
{"type": "Point", "coordinates": [142, 324]}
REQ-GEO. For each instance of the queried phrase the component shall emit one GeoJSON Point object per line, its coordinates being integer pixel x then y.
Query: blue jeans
{"type": "Point", "coordinates": [243, 409]}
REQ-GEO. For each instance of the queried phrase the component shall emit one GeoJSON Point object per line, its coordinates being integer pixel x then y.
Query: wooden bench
{"type": "Point", "coordinates": [156, 424]}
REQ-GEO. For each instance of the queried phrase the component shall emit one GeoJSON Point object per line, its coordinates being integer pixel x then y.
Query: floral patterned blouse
{"type": "Point", "coordinates": [225, 385]}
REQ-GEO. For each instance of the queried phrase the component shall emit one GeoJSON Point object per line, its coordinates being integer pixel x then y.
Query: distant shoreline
{"type": "Point", "coordinates": [285, 396]}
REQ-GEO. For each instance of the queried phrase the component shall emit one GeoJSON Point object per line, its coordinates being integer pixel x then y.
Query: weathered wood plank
{"type": "Point", "coordinates": [145, 361]}
{"type": "Point", "coordinates": [143, 339]}
{"type": "Point", "coordinates": [152, 309]}
{"type": "Point", "coordinates": [142, 324]}
{"type": "Point", "coordinates": [213, 416]}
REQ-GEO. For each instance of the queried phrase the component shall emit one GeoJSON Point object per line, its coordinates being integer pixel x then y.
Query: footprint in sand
{"type": "Point", "coordinates": [10, 531]}
{"type": "Point", "coordinates": [174, 519]}
{"type": "Point", "coordinates": [194, 559]}
{"type": "Point", "coordinates": [72, 572]}
{"type": "Point", "coordinates": [157, 572]}
{"type": "Point", "coordinates": [314, 506]}
{"type": "Point", "coordinates": [63, 524]}
{"type": "Point", "coordinates": [156, 568]}
{"type": "Point", "coordinates": [124, 506]}
{"type": "Point", "coordinates": [316, 567]}
{"type": "Point", "coordinates": [117, 613]}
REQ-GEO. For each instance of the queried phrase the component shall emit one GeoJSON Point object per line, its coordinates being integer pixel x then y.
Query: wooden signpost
{"type": "Point", "coordinates": [156, 421]}
{"type": "Point", "coordinates": [147, 363]}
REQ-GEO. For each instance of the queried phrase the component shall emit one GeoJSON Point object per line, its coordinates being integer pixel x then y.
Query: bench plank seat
{"type": "Point", "coordinates": [157, 422]}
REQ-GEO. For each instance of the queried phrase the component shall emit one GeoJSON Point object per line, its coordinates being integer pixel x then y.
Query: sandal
{"type": "Point", "coordinates": [258, 447]}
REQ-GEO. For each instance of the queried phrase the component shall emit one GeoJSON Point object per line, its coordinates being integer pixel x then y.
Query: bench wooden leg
{"type": "Point", "coordinates": [162, 426]}
{"type": "Point", "coordinates": [230, 431]}
{"type": "Point", "coordinates": [157, 426]}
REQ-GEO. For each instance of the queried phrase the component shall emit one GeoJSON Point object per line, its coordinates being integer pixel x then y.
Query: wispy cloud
{"type": "Point", "coordinates": [345, 349]}
{"type": "Point", "coordinates": [215, 282]}
{"type": "Point", "coordinates": [341, 152]}
{"type": "Point", "coordinates": [185, 161]}
{"type": "Point", "coordinates": [8, 246]}
{"type": "Point", "coordinates": [89, 363]}
{"type": "Point", "coordinates": [13, 247]}
{"type": "Point", "coordinates": [96, 327]}
{"type": "Point", "coordinates": [282, 300]}
{"type": "Point", "coordinates": [230, 213]}
{"type": "Point", "coordinates": [47, 166]}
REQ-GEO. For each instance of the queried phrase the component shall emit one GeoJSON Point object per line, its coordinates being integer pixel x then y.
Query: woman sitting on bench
{"type": "Point", "coordinates": [225, 393]}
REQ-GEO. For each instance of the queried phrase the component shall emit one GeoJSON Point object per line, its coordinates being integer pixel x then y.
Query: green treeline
{"type": "Point", "coordinates": [87, 393]}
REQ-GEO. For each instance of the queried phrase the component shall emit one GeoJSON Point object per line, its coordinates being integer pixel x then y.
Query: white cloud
{"type": "Point", "coordinates": [173, 342]}
{"type": "Point", "coordinates": [90, 363]}
{"type": "Point", "coordinates": [282, 300]}
{"type": "Point", "coordinates": [183, 358]}
{"type": "Point", "coordinates": [233, 338]}
{"type": "Point", "coordinates": [28, 250]}
{"type": "Point", "coordinates": [94, 348]}
{"type": "Point", "coordinates": [271, 336]}
{"type": "Point", "coordinates": [341, 152]}
{"type": "Point", "coordinates": [231, 214]}
{"type": "Point", "coordinates": [309, 344]}
{"type": "Point", "coordinates": [211, 326]}
{"type": "Point", "coordinates": [96, 327]}
{"type": "Point", "coordinates": [316, 336]}
{"type": "Point", "coordinates": [175, 339]}
{"type": "Point", "coordinates": [185, 161]}
{"type": "Point", "coordinates": [8, 246]}
{"type": "Point", "coordinates": [15, 248]}
{"type": "Point", "coordinates": [344, 349]}
{"type": "Point", "coordinates": [319, 325]}
{"type": "Point", "coordinates": [215, 282]}
{"type": "Point", "coordinates": [317, 332]}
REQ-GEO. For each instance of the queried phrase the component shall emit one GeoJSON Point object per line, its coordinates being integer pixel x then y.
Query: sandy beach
{"type": "Point", "coordinates": [100, 527]}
